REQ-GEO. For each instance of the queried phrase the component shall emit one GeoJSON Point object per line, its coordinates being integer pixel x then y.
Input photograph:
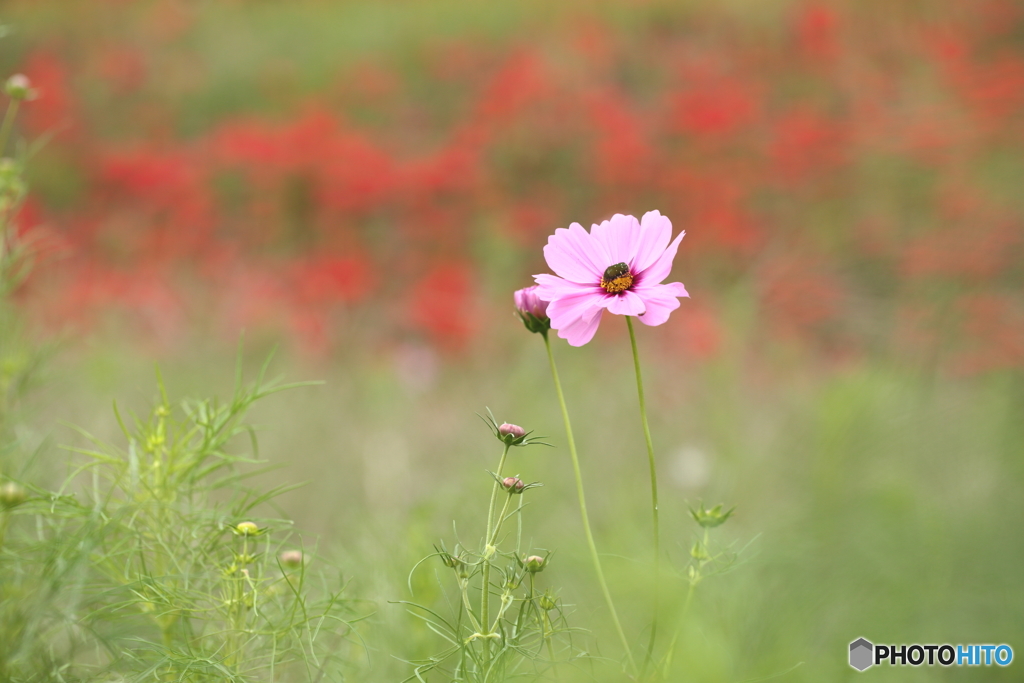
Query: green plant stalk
{"type": "Point", "coordinates": [491, 543]}
{"type": "Point", "coordinates": [464, 587]}
{"type": "Point", "coordinates": [654, 494]}
{"type": "Point", "coordinates": [583, 507]}
{"type": "Point", "coordinates": [667, 664]}
{"type": "Point", "coordinates": [237, 613]}
{"type": "Point", "coordinates": [4, 517]}
{"type": "Point", "coordinates": [485, 593]}
{"type": "Point", "coordinates": [5, 128]}
{"type": "Point", "coordinates": [498, 523]}
{"type": "Point", "coordinates": [546, 629]}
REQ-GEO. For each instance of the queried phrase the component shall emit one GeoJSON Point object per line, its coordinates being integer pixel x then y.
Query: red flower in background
{"type": "Point", "coordinates": [885, 147]}
{"type": "Point", "coordinates": [442, 305]}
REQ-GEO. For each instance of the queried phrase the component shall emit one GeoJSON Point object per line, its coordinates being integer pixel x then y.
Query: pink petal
{"type": "Point", "coordinates": [660, 300]}
{"type": "Point", "coordinates": [655, 232]}
{"type": "Point", "coordinates": [551, 287]}
{"type": "Point", "coordinates": [626, 303]}
{"type": "Point", "coordinates": [579, 332]}
{"type": "Point", "coordinates": [663, 266]}
{"type": "Point", "coordinates": [571, 254]}
{"type": "Point", "coordinates": [566, 310]}
{"type": "Point", "coordinates": [620, 237]}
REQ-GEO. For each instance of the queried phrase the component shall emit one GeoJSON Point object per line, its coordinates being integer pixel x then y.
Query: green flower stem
{"type": "Point", "coordinates": [501, 519]}
{"type": "Point", "coordinates": [4, 516]}
{"type": "Point", "coordinates": [583, 507]}
{"type": "Point", "coordinates": [5, 128]}
{"type": "Point", "coordinates": [694, 580]}
{"type": "Point", "coordinates": [547, 629]}
{"type": "Point", "coordinates": [654, 493]}
{"type": "Point", "coordinates": [485, 594]}
{"type": "Point", "coordinates": [464, 586]}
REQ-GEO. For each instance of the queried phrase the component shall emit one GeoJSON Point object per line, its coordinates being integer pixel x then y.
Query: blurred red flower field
{"type": "Point", "coordinates": [856, 173]}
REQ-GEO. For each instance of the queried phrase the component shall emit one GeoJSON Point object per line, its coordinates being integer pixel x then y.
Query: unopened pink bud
{"type": "Point", "coordinates": [527, 301]}
{"type": "Point", "coordinates": [513, 484]}
{"type": "Point", "coordinates": [534, 564]}
{"type": "Point", "coordinates": [515, 431]}
{"type": "Point", "coordinates": [532, 310]}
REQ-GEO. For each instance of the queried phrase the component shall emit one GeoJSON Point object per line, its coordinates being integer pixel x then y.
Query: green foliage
{"type": "Point", "coordinates": [526, 634]}
{"type": "Point", "coordinates": [39, 572]}
{"type": "Point", "coordinates": [185, 585]}
{"type": "Point", "coordinates": [147, 563]}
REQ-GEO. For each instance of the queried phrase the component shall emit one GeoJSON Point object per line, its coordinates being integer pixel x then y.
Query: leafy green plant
{"type": "Point", "coordinates": [40, 566]}
{"type": "Point", "coordinates": [188, 582]}
{"type": "Point", "coordinates": [497, 625]}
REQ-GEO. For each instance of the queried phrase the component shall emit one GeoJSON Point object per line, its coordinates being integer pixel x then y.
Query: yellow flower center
{"type": "Point", "coordinates": [617, 279]}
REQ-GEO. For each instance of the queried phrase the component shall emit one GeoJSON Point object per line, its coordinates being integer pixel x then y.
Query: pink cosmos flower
{"type": "Point", "coordinates": [619, 265]}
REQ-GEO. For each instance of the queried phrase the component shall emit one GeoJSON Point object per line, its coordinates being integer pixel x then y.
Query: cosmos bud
{"type": "Point", "coordinates": [291, 558]}
{"type": "Point", "coordinates": [513, 484]}
{"type": "Point", "coordinates": [548, 601]}
{"type": "Point", "coordinates": [515, 431]}
{"type": "Point", "coordinates": [532, 310]}
{"type": "Point", "coordinates": [246, 529]}
{"type": "Point", "coordinates": [710, 518]}
{"type": "Point", "coordinates": [534, 564]}
{"type": "Point", "coordinates": [11, 495]}
{"type": "Point", "coordinates": [510, 434]}
{"type": "Point", "coordinates": [18, 87]}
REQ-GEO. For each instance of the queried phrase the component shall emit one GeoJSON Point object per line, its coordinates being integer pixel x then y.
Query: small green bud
{"type": "Point", "coordinates": [711, 518]}
{"type": "Point", "coordinates": [11, 495]}
{"type": "Point", "coordinates": [548, 601]}
{"type": "Point", "coordinates": [291, 558]}
{"type": "Point", "coordinates": [8, 168]}
{"type": "Point", "coordinates": [18, 87]}
{"type": "Point", "coordinates": [534, 564]}
{"type": "Point", "coordinates": [246, 529]}
{"type": "Point", "coordinates": [453, 562]}
{"type": "Point", "coordinates": [698, 552]}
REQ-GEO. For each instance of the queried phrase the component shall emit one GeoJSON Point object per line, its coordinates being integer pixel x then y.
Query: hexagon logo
{"type": "Point", "coordinates": [861, 654]}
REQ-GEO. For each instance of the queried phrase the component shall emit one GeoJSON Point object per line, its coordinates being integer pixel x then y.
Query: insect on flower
{"type": "Point", "coordinates": [619, 265]}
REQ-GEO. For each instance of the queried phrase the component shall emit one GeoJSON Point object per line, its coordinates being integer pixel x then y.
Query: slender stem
{"type": "Point", "coordinates": [494, 494]}
{"type": "Point", "coordinates": [547, 630]}
{"type": "Point", "coordinates": [654, 492]}
{"type": "Point", "coordinates": [485, 595]}
{"type": "Point", "coordinates": [464, 586]}
{"type": "Point", "coordinates": [5, 128]}
{"type": "Point", "coordinates": [694, 580]}
{"type": "Point", "coordinates": [500, 520]}
{"type": "Point", "coordinates": [583, 507]}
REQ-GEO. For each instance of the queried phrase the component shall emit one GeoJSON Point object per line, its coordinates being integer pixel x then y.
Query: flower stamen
{"type": "Point", "coordinates": [617, 279]}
